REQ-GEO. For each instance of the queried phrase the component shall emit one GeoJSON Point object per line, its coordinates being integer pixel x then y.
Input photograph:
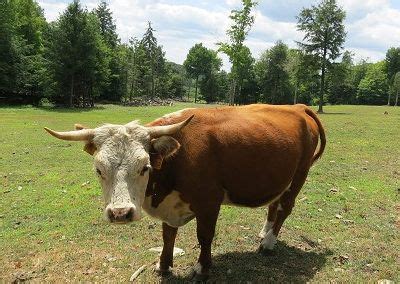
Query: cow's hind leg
{"type": "Point", "coordinates": [284, 207]}
{"type": "Point", "coordinates": [269, 220]}
{"type": "Point", "coordinates": [166, 258]}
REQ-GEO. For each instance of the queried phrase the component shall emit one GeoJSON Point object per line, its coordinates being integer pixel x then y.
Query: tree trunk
{"type": "Point", "coordinates": [295, 95]}
{"type": "Point", "coordinates": [195, 94]}
{"type": "Point", "coordinates": [322, 87]}
{"type": "Point", "coordinates": [84, 93]}
{"type": "Point", "coordinates": [190, 86]}
{"type": "Point", "coordinates": [397, 99]}
{"type": "Point", "coordinates": [71, 94]}
{"type": "Point", "coordinates": [389, 99]}
{"type": "Point", "coordinates": [233, 93]}
{"type": "Point", "coordinates": [242, 101]}
{"type": "Point", "coordinates": [91, 96]}
{"type": "Point", "coordinates": [152, 82]}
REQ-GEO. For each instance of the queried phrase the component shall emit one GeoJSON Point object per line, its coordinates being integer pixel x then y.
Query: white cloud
{"type": "Point", "coordinates": [361, 6]}
{"type": "Point", "coordinates": [367, 54]}
{"type": "Point", "coordinates": [272, 30]}
{"type": "Point", "coordinates": [372, 25]}
{"type": "Point", "coordinates": [52, 10]}
{"type": "Point", "coordinates": [379, 29]}
{"type": "Point", "coordinates": [232, 3]}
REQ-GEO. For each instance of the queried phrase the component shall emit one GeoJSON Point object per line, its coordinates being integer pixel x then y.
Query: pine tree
{"type": "Point", "coordinates": [78, 57]}
{"type": "Point", "coordinates": [107, 25]}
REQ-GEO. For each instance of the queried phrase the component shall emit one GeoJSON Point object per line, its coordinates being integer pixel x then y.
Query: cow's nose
{"type": "Point", "coordinates": [120, 215]}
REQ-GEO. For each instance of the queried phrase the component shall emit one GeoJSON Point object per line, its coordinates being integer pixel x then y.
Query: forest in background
{"type": "Point", "coordinates": [79, 59]}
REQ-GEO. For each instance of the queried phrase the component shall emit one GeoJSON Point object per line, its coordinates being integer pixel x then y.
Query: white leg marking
{"type": "Point", "coordinates": [269, 241]}
{"type": "Point", "coordinates": [197, 268]}
{"type": "Point", "coordinates": [267, 226]}
{"type": "Point", "coordinates": [158, 268]}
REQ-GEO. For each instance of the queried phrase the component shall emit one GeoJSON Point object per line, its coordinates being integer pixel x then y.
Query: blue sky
{"type": "Point", "coordinates": [372, 25]}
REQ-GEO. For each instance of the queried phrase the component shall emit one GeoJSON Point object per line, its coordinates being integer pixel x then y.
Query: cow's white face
{"type": "Point", "coordinates": [122, 161]}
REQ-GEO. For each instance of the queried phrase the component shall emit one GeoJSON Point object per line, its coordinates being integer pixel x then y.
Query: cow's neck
{"type": "Point", "coordinates": [160, 185]}
{"type": "Point", "coordinates": [164, 202]}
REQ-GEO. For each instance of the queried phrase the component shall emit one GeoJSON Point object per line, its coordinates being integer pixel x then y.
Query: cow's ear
{"type": "Point", "coordinates": [90, 148]}
{"type": "Point", "coordinates": [79, 126]}
{"type": "Point", "coordinates": [162, 148]}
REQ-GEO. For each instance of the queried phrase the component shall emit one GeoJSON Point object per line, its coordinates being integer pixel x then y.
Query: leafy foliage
{"type": "Point", "coordinates": [235, 50]}
{"type": "Point", "coordinates": [324, 37]}
{"type": "Point", "coordinates": [373, 87]}
{"type": "Point", "coordinates": [78, 56]}
{"type": "Point", "coordinates": [79, 59]}
{"type": "Point", "coordinates": [203, 62]}
{"type": "Point", "coordinates": [273, 76]}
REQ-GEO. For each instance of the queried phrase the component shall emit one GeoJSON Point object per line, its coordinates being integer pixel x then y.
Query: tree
{"type": "Point", "coordinates": [245, 75]}
{"type": "Point", "coordinates": [31, 69]}
{"type": "Point", "coordinates": [108, 28]}
{"type": "Point", "coordinates": [324, 36]}
{"type": "Point", "coordinates": [155, 60]}
{"type": "Point", "coordinates": [201, 61]}
{"type": "Point", "coordinates": [396, 87]}
{"type": "Point", "coordinates": [373, 88]}
{"type": "Point", "coordinates": [78, 57]}
{"type": "Point", "coordinates": [242, 23]}
{"type": "Point", "coordinates": [293, 68]}
{"type": "Point", "coordinates": [392, 66]}
{"type": "Point", "coordinates": [115, 55]}
{"type": "Point", "coordinates": [340, 89]}
{"type": "Point", "coordinates": [272, 73]}
{"type": "Point", "coordinates": [8, 47]}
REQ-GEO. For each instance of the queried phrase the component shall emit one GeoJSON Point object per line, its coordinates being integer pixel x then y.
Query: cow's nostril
{"type": "Point", "coordinates": [129, 215]}
{"type": "Point", "coordinates": [120, 214]}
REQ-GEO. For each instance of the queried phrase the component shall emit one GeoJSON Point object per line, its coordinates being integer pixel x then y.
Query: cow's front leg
{"type": "Point", "coordinates": [167, 254]}
{"type": "Point", "coordinates": [206, 222]}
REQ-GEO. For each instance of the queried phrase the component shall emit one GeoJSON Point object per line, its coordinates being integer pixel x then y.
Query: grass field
{"type": "Point", "coordinates": [345, 226]}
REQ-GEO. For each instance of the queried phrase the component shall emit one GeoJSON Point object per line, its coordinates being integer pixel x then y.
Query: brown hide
{"type": "Point", "coordinates": [250, 153]}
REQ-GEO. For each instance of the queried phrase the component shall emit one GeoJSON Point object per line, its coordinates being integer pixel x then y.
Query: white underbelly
{"type": "Point", "coordinates": [172, 210]}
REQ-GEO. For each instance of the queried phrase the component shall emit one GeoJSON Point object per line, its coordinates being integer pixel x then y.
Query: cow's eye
{"type": "Point", "coordinates": [98, 172]}
{"type": "Point", "coordinates": [145, 169]}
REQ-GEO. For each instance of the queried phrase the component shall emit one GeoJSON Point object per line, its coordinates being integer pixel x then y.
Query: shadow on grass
{"type": "Point", "coordinates": [70, 110]}
{"type": "Point", "coordinates": [335, 113]}
{"type": "Point", "coordinates": [286, 264]}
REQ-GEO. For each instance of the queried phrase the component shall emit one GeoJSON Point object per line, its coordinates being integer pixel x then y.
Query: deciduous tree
{"type": "Point", "coordinates": [234, 49]}
{"type": "Point", "coordinates": [201, 61]}
{"type": "Point", "coordinates": [324, 36]}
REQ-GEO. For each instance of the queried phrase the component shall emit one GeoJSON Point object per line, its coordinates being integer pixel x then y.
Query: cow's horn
{"type": "Point", "coordinates": [157, 131]}
{"type": "Point", "coordinates": [77, 135]}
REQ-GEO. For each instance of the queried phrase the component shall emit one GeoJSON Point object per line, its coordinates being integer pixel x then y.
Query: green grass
{"type": "Point", "coordinates": [51, 225]}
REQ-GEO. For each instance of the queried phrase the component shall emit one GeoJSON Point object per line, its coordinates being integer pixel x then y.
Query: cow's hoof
{"type": "Point", "coordinates": [198, 275]}
{"type": "Point", "coordinates": [162, 271]}
{"type": "Point", "coordinates": [265, 251]}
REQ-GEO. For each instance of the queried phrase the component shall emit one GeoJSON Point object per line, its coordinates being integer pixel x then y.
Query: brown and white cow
{"type": "Point", "coordinates": [187, 164]}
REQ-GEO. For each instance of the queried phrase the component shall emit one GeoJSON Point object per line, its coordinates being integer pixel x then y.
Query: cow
{"type": "Point", "coordinates": [187, 164]}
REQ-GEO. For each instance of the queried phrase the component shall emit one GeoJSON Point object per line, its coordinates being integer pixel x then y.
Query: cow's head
{"type": "Point", "coordinates": [123, 157]}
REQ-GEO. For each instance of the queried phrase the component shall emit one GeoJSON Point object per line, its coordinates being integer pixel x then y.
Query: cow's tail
{"type": "Point", "coordinates": [322, 137]}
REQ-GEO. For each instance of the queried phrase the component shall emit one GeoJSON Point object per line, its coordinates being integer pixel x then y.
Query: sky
{"type": "Point", "coordinates": [372, 26]}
